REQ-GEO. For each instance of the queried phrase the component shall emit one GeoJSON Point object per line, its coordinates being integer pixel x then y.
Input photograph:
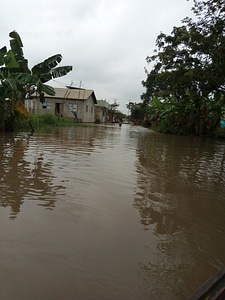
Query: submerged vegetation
{"type": "Point", "coordinates": [185, 88]}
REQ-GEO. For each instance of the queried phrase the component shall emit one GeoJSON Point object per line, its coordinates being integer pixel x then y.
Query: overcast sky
{"type": "Point", "coordinates": [105, 41]}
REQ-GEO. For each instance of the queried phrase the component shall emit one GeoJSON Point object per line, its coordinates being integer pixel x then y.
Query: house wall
{"type": "Point", "coordinates": [98, 113]}
{"type": "Point", "coordinates": [88, 113]}
{"type": "Point", "coordinates": [101, 114]}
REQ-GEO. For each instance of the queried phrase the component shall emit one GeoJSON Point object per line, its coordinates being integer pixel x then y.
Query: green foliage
{"type": "Point", "coordinates": [188, 73]}
{"type": "Point", "coordinates": [18, 82]}
{"type": "Point", "coordinates": [47, 70]}
{"type": "Point", "coordinates": [49, 119]}
{"type": "Point", "coordinates": [119, 115]}
{"type": "Point", "coordinates": [17, 50]}
{"type": "Point", "coordinates": [137, 111]}
{"type": "Point", "coordinates": [43, 121]}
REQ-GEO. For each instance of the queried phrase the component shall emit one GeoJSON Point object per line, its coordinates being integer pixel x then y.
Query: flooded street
{"type": "Point", "coordinates": [109, 212]}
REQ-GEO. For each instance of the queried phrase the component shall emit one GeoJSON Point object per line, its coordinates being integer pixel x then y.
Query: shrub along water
{"type": "Point", "coordinates": [43, 121]}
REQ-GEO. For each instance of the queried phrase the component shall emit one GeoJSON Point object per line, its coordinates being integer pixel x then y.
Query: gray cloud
{"type": "Point", "coordinates": [105, 41]}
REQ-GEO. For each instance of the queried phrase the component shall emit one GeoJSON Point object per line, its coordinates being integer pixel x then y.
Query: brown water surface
{"type": "Point", "coordinates": [109, 212]}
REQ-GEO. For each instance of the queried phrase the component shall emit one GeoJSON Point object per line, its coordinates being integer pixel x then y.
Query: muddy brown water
{"type": "Point", "coordinates": [109, 212]}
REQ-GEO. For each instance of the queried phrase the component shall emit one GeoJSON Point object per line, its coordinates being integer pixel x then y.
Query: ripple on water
{"type": "Point", "coordinates": [116, 213]}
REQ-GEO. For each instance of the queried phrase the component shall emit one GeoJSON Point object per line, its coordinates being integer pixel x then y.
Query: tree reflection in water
{"type": "Point", "coordinates": [24, 175]}
{"type": "Point", "coordinates": [180, 197]}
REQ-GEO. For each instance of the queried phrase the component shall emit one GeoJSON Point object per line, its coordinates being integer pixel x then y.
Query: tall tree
{"type": "Point", "coordinates": [137, 111]}
{"type": "Point", "coordinates": [18, 82]}
{"type": "Point", "coordinates": [189, 70]}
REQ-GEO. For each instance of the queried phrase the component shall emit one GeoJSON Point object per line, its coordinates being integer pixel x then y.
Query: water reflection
{"type": "Point", "coordinates": [25, 175]}
{"type": "Point", "coordinates": [180, 188]}
{"type": "Point", "coordinates": [104, 212]}
{"type": "Point", "coordinates": [171, 169]}
{"type": "Point", "coordinates": [41, 167]}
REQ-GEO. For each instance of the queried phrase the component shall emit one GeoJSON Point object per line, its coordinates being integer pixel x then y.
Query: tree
{"type": "Point", "coordinates": [189, 70]}
{"type": "Point", "coordinates": [137, 111]}
{"type": "Point", "coordinates": [18, 82]}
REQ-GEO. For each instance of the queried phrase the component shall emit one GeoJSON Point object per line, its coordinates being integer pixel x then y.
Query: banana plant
{"type": "Point", "coordinates": [18, 82]}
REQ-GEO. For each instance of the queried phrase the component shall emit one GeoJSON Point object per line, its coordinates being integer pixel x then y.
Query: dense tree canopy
{"type": "Point", "coordinates": [188, 72]}
{"type": "Point", "coordinates": [18, 82]}
{"type": "Point", "coordinates": [137, 111]}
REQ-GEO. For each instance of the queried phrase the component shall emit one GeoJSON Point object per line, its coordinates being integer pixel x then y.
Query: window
{"type": "Point", "coordinates": [46, 105]}
{"type": "Point", "coordinates": [72, 107]}
{"type": "Point", "coordinates": [92, 109]}
{"type": "Point", "coordinates": [86, 108]}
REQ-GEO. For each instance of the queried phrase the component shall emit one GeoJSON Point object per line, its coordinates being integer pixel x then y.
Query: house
{"type": "Point", "coordinates": [101, 111]}
{"type": "Point", "coordinates": [65, 103]}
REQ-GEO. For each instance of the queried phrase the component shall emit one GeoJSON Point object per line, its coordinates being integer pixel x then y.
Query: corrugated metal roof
{"type": "Point", "coordinates": [103, 103]}
{"type": "Point", "coordinates": [74, 94]}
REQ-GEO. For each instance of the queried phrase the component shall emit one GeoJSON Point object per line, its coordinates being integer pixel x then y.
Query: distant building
{"type": "Point", "coordinates": [101, 111]}
{"type": "Point", "coordinates": [65, 103]}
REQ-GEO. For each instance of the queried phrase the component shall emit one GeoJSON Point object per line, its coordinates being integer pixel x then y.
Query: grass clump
{"type": "Point", "coordinates": [44, 121]}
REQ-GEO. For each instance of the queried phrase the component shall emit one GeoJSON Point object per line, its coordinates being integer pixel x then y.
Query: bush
{"type": "Point", "coordinates": [42, 121]}
{"type": "Point", "coordinates": [45, 121]}
{"type": "Point", "coordinates": [48, 119]}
